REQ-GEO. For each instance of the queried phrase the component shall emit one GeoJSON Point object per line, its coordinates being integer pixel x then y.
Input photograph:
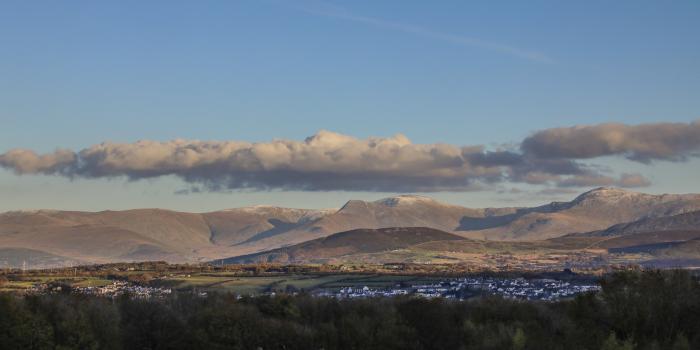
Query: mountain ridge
{"type": "Point", "coordinates": [189, 237]}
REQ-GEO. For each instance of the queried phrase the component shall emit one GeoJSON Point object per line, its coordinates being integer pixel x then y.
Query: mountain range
{"type": "Point", "coordinates": [364, 231]}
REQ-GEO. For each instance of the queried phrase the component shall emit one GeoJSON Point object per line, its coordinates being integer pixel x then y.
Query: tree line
{"type": "Point", "coordinates": [634, 310]}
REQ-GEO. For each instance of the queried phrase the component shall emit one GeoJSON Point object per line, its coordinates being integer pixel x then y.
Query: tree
{"type": "Point", "coordinates": [519, 339]}
{"type": "Point", "coordinates": [20, 328]}
{"type": "Point", "coordinates": [612, 343]}
{"type": "Point", "coordinates": [681, 343]}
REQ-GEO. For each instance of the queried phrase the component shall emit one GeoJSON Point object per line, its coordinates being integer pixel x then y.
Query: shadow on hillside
{"type": "Point", "coordinates": [279, 228]}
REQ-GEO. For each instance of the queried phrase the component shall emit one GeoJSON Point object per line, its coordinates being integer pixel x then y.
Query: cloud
{"type": "Point", "coordinates": [556, 191]}
{"type": "Point", "coordinates": [23, 161]}
{"type": "Point", "coordinates": [643, 143]}
{"type": "Point", "coordinates": [331, 161]}
{"type": "Point", "coordinates": [590, 180]}
{"type": "Point", "coordinates": [633, 180]}
{"type": "Point", "coordinates": [325, 161]}
{"type": "Point", "coordinates": [329, 10]}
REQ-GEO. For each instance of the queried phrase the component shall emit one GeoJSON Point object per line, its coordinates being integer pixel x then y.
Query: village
{"type": "Point", "coordinates": [545, 289]}
{"type": "Point", "coordinates": [153, 280]}
{"type": "Point", "coordinates": [467, 287]}
{"type": "Point", "coordinates": [115, 289]}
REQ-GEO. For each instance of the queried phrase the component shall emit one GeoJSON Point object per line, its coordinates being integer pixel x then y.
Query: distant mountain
{"type": "Point", "coordinates": [594, 210]}
{"type": "Point", "coordinates": [240, 225]}
{"type": "Point", "coordinates": [32, 259]}
{"type": "Point", "coordinates": [142, 234]}
{"type": "Point", "coordinates": [340, 245]}
{"type": "Point", "coordinates": [399, 211]}
{"type": "Point", "coordinates": [680, 222]}
{"type": "Point", "coordinates": [669, 237]}
{"type": "Point", "coordinates": [155, 234]}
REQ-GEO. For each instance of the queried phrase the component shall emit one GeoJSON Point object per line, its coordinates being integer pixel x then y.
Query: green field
{"type": "Point", "coordinates": [29, 281]}
{"type": "Point", "coordinates": [13, 286]}
{"type": "Point", "coordinates": [228, 282]}
{"type": "Point", "coordinates": [257, 285]}
{"type": "Point", "coordinates": [91, 282]}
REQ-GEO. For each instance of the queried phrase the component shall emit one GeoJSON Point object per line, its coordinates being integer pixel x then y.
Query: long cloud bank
{"type": "Point", "coordinates": [643, 143]}
{"type": "Point", "coordinates": [332, 161]}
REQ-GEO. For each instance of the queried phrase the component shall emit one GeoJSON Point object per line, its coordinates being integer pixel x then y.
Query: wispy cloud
{"type": "Point", "coordinates": [330, 10]}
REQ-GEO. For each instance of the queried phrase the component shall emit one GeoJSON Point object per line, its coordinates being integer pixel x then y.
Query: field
{"type": "Point", "coordinates": [296, 282]}
{"type": "Point", "coordinates": [226, 281]}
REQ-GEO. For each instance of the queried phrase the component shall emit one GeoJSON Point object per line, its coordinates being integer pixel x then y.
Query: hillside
{"type": "Point", "coordinates": [594, 210]}
{"type": "Point", "coordinates": [647, 231]}
{"type": "Point", "coordinates": [339, 245]}
{"type": "Point", "coordinates": [32, 259]}
{"type": "Point", "coordinates": [142, 234]}
{"type": "Point", "coordinates": [399, 211]}
{"type": "Point", "coordinates": [156, 234]}
{"type": "Point", "coordinates": [686, 221]}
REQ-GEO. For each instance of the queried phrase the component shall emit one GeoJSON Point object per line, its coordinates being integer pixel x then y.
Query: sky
{"type": "Point", "coordinates": [299, 103]}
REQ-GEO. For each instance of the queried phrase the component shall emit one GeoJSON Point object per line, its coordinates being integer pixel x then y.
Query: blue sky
{"type": "Point", "coordinates": [77, 73]}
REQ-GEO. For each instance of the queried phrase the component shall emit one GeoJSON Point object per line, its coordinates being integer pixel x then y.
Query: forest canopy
{"type": "Point", "coordinates": [634, 310]}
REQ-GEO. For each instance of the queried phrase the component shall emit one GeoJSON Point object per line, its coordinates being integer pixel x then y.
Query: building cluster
{"type": "Point", "coordinates": [115, 289]}
{"type": "Point", "coordinates": [467, 287]}
{"type": "Point", "coordinates": [364, 292]}
{"type": "Point", "coordinates": [530, 289]}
